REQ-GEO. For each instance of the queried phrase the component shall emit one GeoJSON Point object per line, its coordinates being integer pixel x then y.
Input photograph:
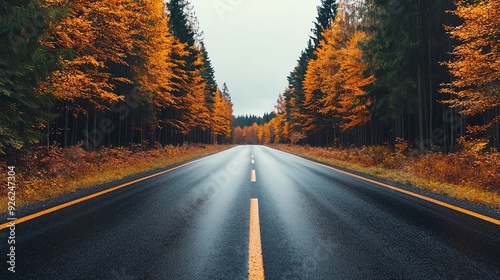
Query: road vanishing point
{"type": "Point", "coordinates": [252, 212]}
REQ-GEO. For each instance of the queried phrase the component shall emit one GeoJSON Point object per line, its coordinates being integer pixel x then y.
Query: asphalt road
{"type": "Point", "coordinates": [315, 223]}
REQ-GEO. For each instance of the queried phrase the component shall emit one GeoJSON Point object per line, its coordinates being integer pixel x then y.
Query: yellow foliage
{"type": "Point", "coordinates": [335, 80]}
{"type": "Point", "coordinates": [476, 66]}
{"type": "Point", "coordinates": [97, 34]}
{"type": "Point", "coordinates": [157, 46]}
{"type": "Point", "coordinates": [222, 116]}
{"type": "Point", "coordinates": [94, 33]}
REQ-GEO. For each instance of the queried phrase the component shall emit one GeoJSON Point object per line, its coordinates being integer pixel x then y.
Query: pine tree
{"type": "Point", "coordinates": [303, 120]}
{"type": "Point", "coordinates": [24, 113]}
{"type": "Point", "coordinates": [193, 72]}
{"type": "Point", "coordinates": [225, 92]}
{"type": "Point", "coordinates": [295, 96]}
{"type": "Point", "coordinates": [407, 42]}
{"type": "Point", "coordinates": [208, 74]}
{"type": "Point", "coordinates": [326, 15]}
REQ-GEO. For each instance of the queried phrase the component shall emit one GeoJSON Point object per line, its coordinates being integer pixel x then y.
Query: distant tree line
{"type": "Point", "coordinates": [106, 73]}
{"type": "Point", "coordinates": [249, 120]}
{"type": "Point", "coordinates": [377, 70]}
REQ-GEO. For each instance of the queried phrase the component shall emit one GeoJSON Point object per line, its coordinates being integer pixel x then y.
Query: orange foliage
{"type": "Point", "coordinates": [92, 35]}
{"type": "Point", "coordinates": [157, 45]}
{"type": "Point", "coordinates": [476, 67]}
{"type": "Point", "coordinates": [279, 120]}
{"type": "Point", "coordinates": [222, 115]}
{"type": "Point", "coordinates": [335, 80]}
{"type": "Point", "coordinates": [248, 134]}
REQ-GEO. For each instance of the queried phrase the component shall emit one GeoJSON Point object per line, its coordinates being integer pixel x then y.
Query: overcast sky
{"type": "Point", "coordinates": [254, 45]}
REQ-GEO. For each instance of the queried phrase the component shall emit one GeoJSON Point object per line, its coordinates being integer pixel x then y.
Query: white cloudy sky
{"type": "Point", "coordinates": [254, 45]}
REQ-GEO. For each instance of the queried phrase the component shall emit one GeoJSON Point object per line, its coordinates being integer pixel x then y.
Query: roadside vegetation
{"type": "Point", "coordinates": [470, 174]}
{"type": "Point", "coordinates": [95, 81]}
{"type": "Point", "coordinates": [45, 174]}
{"type": "Point", "coordinates": [405, 91]}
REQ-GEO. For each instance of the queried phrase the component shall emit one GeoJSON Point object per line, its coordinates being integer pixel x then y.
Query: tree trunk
{"type": "Point", "coordinates": [421, 94]}
{"type": "Point", "coordinates": [48, 137]}
{"type": "Point", "coordinates": [94, 140]}
{"type": "Point", "coordinates": [430, 72]}
{"type": "Point", "coordinates": [66, 120]}
{"type": "Point", "coordinates": [87, 140]}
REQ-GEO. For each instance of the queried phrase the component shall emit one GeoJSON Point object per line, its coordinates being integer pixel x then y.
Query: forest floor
{"type": "Point", "coordinates": [468, 175]}
{"type": "Point", "coordinates": [43, 174]}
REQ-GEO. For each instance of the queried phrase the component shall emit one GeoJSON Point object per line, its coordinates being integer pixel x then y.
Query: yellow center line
{"type": "Point", "coordinates": [432, 200]}
{"type": "Point", "coordinates": [73, 202]}
{"type": "Point", "coordinates": [253, 177]}
{"type": "Point", "coordinates": [255, 260]}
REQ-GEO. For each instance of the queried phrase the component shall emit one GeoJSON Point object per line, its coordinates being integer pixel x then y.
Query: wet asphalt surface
{"type": "Point", "coordinates": [193, 223]}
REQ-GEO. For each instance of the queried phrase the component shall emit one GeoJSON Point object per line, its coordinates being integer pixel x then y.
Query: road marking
{"type": "Point", "coordinates": [253, 177]}
{"type": "Point", "coordinates": [73, 202]}
{"type": "Point", "coordinates": [428, 199]}
{"type": "Point", "coordinates": [252, 156]}
{"type": "Point", "coordinates": [253, 161]}
{"type": "Point", "coordinates": [255, 259]}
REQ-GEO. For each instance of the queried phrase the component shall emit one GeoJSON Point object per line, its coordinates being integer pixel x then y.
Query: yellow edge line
{"type": "Point", "coordinates": [255, 259]}
{"type": "Point", "coordinates": [435, 201]}
{"type": "Point", "coordinates": [73, 202]}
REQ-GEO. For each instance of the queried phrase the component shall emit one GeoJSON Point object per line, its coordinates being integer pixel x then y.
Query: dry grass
{"type": "Point", "coordinates": [464, 175]}
{"type": "Point", "coordinates": [43, 175]}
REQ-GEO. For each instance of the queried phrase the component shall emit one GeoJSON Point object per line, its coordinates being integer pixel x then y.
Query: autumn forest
{"type": "Point", "coordinates": [94, 91]}
{"type": "Point", "coordinates": [375, 72]}
{"type": "Point", "coordinates": [115, 73]}
{"type": "Point", "coordinates": [106, 73]}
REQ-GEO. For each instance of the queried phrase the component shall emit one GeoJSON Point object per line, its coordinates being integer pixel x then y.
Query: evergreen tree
{"type": "Point", "coordinates": [326, 14]}
{"type": "Point", "coordinates": [408, 41]}
{"type": "Point", "coordinates": [208, 75]}
{"type": "Point", "coordinates": [188, 73]}
{"type": "Point", "coordinates": [296, 113]}
{"type": "Point", "coordinates": [301, 117]}
{"type": "Point", "coordinates": [179, 23]}
{"type": "Point", "coordinates": [23, 64]}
